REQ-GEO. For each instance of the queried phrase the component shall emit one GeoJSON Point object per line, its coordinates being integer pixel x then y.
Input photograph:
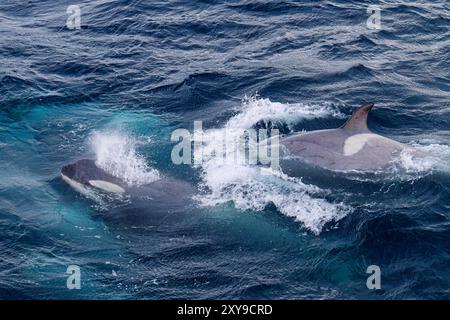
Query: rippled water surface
{"type": "Point", "coordinates": [114, 91]}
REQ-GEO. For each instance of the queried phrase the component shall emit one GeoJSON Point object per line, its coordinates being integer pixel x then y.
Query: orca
{"type": "Point", "coordinates": [352, 147]}
{"type": "Point", "coordinates": [165, 194]}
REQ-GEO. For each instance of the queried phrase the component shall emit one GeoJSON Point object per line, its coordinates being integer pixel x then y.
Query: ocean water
{"type": "Point", "coordinates": [115, 90]}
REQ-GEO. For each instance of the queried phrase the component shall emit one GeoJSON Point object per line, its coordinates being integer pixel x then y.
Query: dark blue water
{"type": "Point", "coordinates": [136, 70]}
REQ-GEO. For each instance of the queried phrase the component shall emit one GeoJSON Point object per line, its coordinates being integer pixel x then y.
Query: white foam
{"type": "Point", "coordinates": [255, 109]}
{"type": "Point", "coordinates": [249, 187]}
{"type": "Point", "coordinates": [434, 157]}
{"type": "Point", "coordinates": [116, 153]}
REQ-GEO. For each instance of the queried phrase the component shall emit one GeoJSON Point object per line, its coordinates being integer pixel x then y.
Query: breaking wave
{"type": "Point", "coordinates": [251, 187]}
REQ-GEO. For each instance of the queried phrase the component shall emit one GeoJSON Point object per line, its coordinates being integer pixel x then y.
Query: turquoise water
{"type": "Point", "coordinates": [116, 89]}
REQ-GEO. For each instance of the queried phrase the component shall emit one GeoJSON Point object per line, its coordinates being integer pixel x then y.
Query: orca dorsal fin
{"type": "Point", "coordinates": [358, 120]}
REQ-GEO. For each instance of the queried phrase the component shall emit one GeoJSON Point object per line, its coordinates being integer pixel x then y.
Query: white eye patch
{"type": "Point", "coordinates": [106, 186]}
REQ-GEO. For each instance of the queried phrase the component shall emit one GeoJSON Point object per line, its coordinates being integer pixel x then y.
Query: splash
{"type": "Point", "coordinates": [436, 157]}
{"type": "Point", "coordinates": [252, 187]}
{"type": "Point", "coordinates": [116, 153]}
{"type": "Point", "coordinates": [255, 109]}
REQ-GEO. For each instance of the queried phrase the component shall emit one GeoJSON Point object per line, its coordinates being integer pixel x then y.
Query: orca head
{"type": "Point", "coordinates": [86, 173]}
{"type": "Point", "coordinates": [82, 171]}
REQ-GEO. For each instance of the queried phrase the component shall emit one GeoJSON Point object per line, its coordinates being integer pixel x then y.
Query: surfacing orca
{"type": "Point", "coordinates": [84, 175]}
{"type": "Point", "coordinates": [132, 208]}
{"type": "Point", "coordinates": [350, 147]}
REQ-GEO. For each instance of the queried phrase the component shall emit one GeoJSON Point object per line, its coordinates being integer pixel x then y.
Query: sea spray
{"type": "Point", "coordinates": [116, 153]}
{"type": "Point", "coordinates": [252, 187]}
